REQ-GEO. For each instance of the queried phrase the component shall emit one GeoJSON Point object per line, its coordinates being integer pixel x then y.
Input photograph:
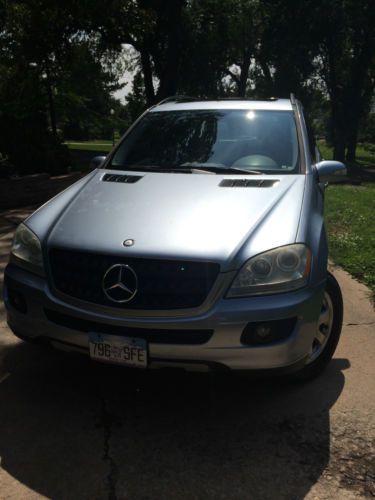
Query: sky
{"type": "Point", "coordinates": [122, 93]}
{"type": "Point", "coordinates": [128, 54]}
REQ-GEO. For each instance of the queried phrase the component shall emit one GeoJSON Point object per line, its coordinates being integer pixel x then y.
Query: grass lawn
{"type": "Point", "coordinates": [365, 156]}
{"type": "Point", "coordinates": [99, 145]}
{"type": "Point", "coordinates": [349, 213]}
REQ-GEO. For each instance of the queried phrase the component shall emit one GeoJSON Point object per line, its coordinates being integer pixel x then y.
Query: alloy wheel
{"type": "Point", "coordinates": [324, 328]}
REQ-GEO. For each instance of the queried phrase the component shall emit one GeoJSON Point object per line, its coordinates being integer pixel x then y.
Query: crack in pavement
{"type": "Point", "coordinates": [4, 376]}
{"type": "Point", "coordinates": [106, 422]}
{"type": "Point", "coordinates": [360, 324]}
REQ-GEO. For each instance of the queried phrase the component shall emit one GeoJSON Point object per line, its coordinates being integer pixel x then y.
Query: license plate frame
{"type": "Point", "coordinates": [118, 350]}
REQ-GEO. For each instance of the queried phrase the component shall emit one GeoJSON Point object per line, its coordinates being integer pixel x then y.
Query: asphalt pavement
{"type": "Point", "coordinates": [71, 429]}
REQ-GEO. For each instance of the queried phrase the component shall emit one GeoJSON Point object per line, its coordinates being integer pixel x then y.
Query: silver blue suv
{"type": "Point", "coordinates": [198, 242]}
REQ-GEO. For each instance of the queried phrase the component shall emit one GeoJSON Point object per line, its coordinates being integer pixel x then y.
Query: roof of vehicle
{"type": "Point", "coordinates": [183, 103]}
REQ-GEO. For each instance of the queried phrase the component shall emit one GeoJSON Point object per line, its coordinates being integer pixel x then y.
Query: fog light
{"type": "Point", "coordinates": [263, 330]}
{"type": "Point", "coordinates": [261, 333]}
{"type": "Point", "coordinates": [17, 300]}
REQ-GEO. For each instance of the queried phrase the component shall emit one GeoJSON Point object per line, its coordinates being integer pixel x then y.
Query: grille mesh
{"type": "Point", "coordinates": [162, 284]}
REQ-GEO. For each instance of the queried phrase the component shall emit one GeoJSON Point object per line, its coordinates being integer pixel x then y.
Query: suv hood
{"type": "Point", "coordinates": [173, 215]}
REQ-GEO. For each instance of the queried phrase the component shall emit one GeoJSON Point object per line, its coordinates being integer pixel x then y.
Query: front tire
{"type": "Point", "coordinates": [327, 334]}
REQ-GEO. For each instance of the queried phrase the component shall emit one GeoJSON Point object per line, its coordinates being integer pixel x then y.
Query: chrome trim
{"type": "Point", "coordinates": [119, 283]}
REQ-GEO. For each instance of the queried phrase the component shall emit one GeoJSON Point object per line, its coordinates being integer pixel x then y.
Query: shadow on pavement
{"type": "Point", "coordinates": [71, 429]}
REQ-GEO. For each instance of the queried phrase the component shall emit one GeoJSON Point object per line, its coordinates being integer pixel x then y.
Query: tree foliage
{"type": "Point", "coordinates": [55, 78]}
{"type": "Point", "coordinates": [347, 67]}
{"type": "Point", "coordinates": [321, 50]}
{"type": "Point", "coordinates": [61, 61]}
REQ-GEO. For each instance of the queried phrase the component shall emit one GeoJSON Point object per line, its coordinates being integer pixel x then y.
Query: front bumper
{"type": "Point", "coordinates": [66, 326]}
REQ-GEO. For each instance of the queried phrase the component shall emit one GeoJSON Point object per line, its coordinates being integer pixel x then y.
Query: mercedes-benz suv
{"type": "Point", "coordinates": [199, 241]}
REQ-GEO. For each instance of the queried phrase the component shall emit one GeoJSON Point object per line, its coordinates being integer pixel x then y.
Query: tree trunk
{"type": "Point", "coordinates": [51, 102]}
{"type": "Point", "coordinates": [339, 124]}
{"type": "Point", "coordinates": [267, 76]}
{"type": "Point", "coordinates": [169, 74]}
{"type": "Point", "coordinates": [352, 146]}
{"type": "Point", "coordinates": [147, 77]}
{"type": "Point", "coordinates": [245, 66]}
{"type": "Point", "coordinates": [339, 149]}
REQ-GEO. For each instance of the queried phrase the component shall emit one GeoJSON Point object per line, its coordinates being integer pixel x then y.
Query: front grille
{"type": "Point", "coordinates": [162, 284]}
{"type": "Point", "coordinates": [154, 336]}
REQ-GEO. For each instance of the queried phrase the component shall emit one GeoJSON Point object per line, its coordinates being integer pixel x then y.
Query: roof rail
{"type": "Point", "coordinates": [178, 98]}
{"type": "Point", "coordinates": [234, 98]}
{"type": "Point", "coordinates": [186, 98]}
{"type": "Point", "coordinates": [292, 99]}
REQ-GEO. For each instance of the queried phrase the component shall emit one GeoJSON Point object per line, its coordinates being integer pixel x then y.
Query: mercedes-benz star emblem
{"type": "Point", "coordinates": [120, 283]}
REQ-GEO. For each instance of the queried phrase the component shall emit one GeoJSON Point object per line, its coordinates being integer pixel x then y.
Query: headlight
{"type": "Point", "coordinates": [26, 247]}
{"type": "Point", "coordinates": [279, 270]}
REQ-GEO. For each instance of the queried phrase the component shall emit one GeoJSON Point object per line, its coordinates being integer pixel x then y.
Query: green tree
{"type": "Point", "coordinates": [155, 28]}
{"type": "Point", "coordinates": [55, 75]}
{"type": "Point", "coordinates": [346, 64]}
{"type": "Point", "coordinates": [84, 92]}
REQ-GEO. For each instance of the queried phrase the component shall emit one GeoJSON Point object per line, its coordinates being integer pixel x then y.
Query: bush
{"type": "Point", "coordinates": [7, 170]}
{"type": "Point", "coordinates": [30, 147]}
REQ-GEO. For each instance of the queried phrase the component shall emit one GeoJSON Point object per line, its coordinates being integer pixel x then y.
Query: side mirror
{"type": "Point", "coordinates": [96, 162]}
{"type": "Point", "coordinates": [330, 171]}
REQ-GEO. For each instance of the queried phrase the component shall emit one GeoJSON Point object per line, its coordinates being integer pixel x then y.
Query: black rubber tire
{"type": "Point", "coordinates": [316, 367]}
{"type": "Point", "coordinates": [29, 340]}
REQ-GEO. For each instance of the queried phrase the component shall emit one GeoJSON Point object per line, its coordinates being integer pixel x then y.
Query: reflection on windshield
{"type": "Point", "coordinates": [247, 140]}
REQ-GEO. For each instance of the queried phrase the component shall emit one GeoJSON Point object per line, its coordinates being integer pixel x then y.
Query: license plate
{"type": "Point", "coordinates": [127, 351]}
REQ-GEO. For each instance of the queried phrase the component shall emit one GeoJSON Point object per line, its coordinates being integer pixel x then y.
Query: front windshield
{"type": "Point", "coordinates": [250, 140]}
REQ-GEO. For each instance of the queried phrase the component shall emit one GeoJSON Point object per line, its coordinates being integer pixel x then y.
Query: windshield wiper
{"type": "Point", "coordinates": [188, 168]}
{"type": "Point", "coordinates": [153, 168]}
{"type": "Point", "coordinates": [221, 169]}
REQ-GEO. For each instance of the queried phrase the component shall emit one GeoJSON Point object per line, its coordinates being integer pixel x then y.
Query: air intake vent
{"type": "Point", "coordinates": [159, 336]}
{"type": "Point", "coordinates": [248, 183]}
{"type": "Point", "coordinates": [127, 179]}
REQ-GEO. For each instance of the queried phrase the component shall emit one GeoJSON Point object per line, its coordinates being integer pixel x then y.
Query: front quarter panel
{"type": "Point", "coordinates": [43, 219]}
{"type": "Point", "coordinates": [278, 227]}
{"type": "Point", "coordinates": [312, 230]}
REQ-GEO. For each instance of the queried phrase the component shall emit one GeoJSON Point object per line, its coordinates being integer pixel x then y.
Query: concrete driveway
{"type": "Point", "coordinates": [71, 429]}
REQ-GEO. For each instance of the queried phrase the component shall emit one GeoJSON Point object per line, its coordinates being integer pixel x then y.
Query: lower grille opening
{"type": "Point", "coordinates": [154, 336]}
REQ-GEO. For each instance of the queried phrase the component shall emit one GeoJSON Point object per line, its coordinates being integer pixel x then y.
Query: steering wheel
{"type": "Point", "coordinates": [258, 161]}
